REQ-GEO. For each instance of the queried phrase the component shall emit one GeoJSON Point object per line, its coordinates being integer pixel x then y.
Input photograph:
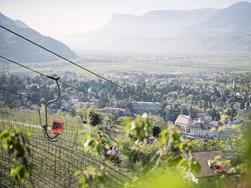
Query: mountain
{"type": "Point", "coordinates": [16, 48]}
{"type": "Point", "coordinates": [197, 31]}
{"type": "Point", "coordinates": [237, 15]}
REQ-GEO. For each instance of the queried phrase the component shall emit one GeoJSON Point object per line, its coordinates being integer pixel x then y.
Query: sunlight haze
{"type": "Point", "coordinates": [61, 18]}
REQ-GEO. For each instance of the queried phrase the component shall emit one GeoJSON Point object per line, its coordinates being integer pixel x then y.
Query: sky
{"type": "Point", "coordinates": [63, 18]}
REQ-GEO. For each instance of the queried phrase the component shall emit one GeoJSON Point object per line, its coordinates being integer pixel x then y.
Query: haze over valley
{"type": "Point", "coordinates": [204, 31]}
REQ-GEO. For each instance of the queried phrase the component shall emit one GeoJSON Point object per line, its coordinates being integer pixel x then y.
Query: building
{"type": "Point", "coordinates": [204, 119]}
{"type": "Point", "coordinates": [78, 104]}
{"type": "Point", "coordinates": [201, 127]}
{"type": "Point", "coordinates": [145, 107]}
{"type": "Point", "coordinates": [112, 110]}
{"type": "Point", "coordinates": [203, 133]}
{"type": "Point", "coordinates": [184, 123]}
{"type": "Point", "coordinates": [211, 134]}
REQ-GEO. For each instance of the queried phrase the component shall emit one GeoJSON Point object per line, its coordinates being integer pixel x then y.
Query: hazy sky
{"type": "Point", "coordinates": [61, 18]}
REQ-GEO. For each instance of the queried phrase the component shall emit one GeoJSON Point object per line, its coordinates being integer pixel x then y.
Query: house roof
{"type": "Point", "coordinates": [202, 158]}
{"type": "Point", "coordinates": [183, 120]}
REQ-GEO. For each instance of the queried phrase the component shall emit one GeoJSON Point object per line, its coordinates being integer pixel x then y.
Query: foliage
{"type": "Point", "coordinates": [82, 113]}
{"type": "Point", "coordinates": [203, 94]}
{"type": "Point", "coordinates": [170, 145]}
{"type": "Point", "coordinates": [234, 150]}
{"type": "Point", "coordinates": [160, 167]}
{"type": "Point", "coordinates": [92, 177]}
{"type": "Point", "coordinates": [156, 131]}
{"type": "Point", "coordinates": [172, 141]}
{"type": "Point", "coordinates": [181, 96]}
{"type": "Point", "coordinates": [163, 176]}
{"type": "Point", "coordinates": [140, 153]}
{"type": "Point", "coordinates": [201, 145]}
{"type": "Point", "coordinates": [15, 142]}
{"type": "Point", "coordinates": [93, 117]}
{"type": "Point", "coordinates": [97, 142]}
{"type": "Point", "coordinates": [138, 129]}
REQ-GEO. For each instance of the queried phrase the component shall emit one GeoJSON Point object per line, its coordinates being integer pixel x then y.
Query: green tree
{"type": "Point", "coordinates": [93, 117]}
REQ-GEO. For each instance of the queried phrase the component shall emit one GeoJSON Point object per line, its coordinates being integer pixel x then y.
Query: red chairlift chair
{"type": "Point", "coordinates": [218, 169]}
{"type": "Point", "coordinates": [57, 125]}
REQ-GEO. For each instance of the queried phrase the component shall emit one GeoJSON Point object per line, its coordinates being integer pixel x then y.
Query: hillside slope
{"type": "Point", "coordinates": [16, 48]}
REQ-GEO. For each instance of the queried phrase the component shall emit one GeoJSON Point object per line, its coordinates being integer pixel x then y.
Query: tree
{"type": "Point", "coordinates": [93, 117]}
{"type": "Point", "coordinates": [214, 114]}
{"type": "Point", "coordinates": [156, 131]}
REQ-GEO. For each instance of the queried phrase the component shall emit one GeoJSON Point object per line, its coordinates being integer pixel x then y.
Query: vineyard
{"type": "Point", "coordinates": [55, 163]}
{"type": "Point", "coordinates": [143, 161]}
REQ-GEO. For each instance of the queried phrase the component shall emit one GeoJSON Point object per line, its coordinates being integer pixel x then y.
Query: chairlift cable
{"type": "Point", "coordinates": [42, 74]}
{"type": "Point", "coordinates": [71, 62]}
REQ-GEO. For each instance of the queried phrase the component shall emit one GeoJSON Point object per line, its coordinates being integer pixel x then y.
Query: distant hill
{"type": "Point", "coordinates": [16, 48]}
{"type": "Point", "coordinates": [237, 15]}
{"type": "Point", "coordinates": [197, 31]}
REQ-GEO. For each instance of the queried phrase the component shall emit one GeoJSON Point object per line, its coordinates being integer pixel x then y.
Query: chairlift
{"type": "Point", "coordinates": [218, 169]}
{"type": "Point", "coordinates": [113, 154]}
{"type": "Point", "coordinates": [57, 125]}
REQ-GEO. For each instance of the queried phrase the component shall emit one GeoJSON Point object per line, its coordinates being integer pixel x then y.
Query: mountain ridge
{"type": "Point", "coordinates": [17, 49]}
{"type": "Point", "coordinates": [201, 30]}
